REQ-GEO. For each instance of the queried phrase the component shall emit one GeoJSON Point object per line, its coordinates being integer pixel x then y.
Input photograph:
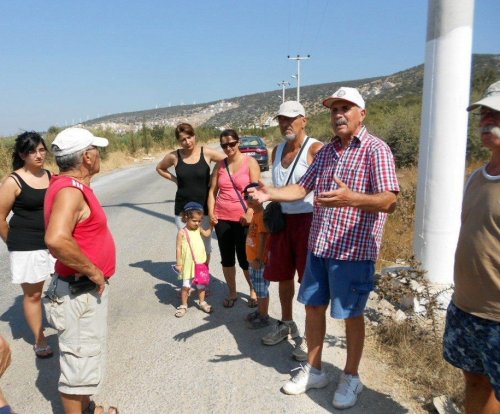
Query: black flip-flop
{"type": "Point", "coordinates": [229, 302]}
{"type": "Point", "coordinates": [252, 303]}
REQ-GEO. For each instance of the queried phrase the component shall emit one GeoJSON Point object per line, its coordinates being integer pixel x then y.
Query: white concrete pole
{"type": "Point", "coordinates": [443, 136]}
{"type": "Point", "coordinates": [298, 58]}
{"type": "Point", "coordinates": [283, 85]}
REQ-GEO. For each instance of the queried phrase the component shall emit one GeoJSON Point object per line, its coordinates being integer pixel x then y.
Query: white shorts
{"type": "Point", "coordinates": [205, 223]}
{"type": "Point", "coordinates": [31, 266]}
{"type": "Point", "coordinates": [188, 283]}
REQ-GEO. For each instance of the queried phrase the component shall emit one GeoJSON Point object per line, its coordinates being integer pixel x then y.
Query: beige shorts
{"type": "Point", "coordinates": [81, 323]}
{"type": "Point", "coordinates": [31, 266]}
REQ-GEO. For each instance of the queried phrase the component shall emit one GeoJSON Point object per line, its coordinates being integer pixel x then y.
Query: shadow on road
{"type": "Point", "coordinates": [136, 206]}
{"type": "Point", "coordinates": [48, 376]}
{"type": "Point", "coordinates": [248, 342]}
{"type": "Point", "coordinates": [47, 369]}
{"type": "Point", "coordinates": [14, 316]}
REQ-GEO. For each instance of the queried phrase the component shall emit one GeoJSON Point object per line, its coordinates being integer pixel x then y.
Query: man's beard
{"type": "Point", "coordinates": [290, 136]}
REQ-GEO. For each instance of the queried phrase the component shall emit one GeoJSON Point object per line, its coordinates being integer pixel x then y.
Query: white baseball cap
{"type": "Point", "coordinates": [491, 98]}
{"type": "Point", "coordinates": [291, 109]}
{"type": "Point", "coordinates": [346, 94]}
{"type": "Point", "coordinates": [75, 139]}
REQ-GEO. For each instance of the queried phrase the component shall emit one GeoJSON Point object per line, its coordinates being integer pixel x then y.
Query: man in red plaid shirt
{"type": "Point", "coordinates": [355, 186]}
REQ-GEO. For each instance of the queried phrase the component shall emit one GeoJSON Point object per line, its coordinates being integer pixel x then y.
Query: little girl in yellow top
{"type": "Point", "coordinates": [192, 216]}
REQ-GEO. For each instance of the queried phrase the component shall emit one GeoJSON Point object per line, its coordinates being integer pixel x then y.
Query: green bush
{"type": "Point", "coordinates": [398, 124]}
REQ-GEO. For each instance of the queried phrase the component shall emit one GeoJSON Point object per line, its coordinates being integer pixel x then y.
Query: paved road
{"type": "Point", "coordinates": [158, 363]}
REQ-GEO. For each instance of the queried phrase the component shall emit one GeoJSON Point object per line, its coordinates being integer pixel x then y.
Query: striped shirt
{"type": "Point", "coordinates": [366, 166]}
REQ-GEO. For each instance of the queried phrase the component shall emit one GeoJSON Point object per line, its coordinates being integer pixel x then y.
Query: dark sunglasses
{"type": "Point", "coordinates": [231, 144]}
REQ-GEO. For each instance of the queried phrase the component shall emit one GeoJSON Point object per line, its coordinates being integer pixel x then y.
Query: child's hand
{"type": "Point", "coordinates": [246, 219]}
{"type": "Point", "coordinates": [179, 268]}
{"type": "Point", "coordinates": [213, 219]}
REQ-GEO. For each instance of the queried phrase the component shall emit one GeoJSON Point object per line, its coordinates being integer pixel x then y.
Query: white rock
{"type": "Point", "coordinates": [444, 405]}
{"type": "Point", "coordinates": [399, 316]}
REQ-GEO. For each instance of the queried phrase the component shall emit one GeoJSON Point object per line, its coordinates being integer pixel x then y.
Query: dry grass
{"type": "Point", "coordinates": [414, 348]}
{"type": "Point", "coordinates": [398, 234]}
{"type": "Point", "coordinates": [415, 355]}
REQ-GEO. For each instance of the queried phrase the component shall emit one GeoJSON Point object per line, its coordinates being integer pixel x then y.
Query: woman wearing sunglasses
{"type": "Point", "coordinates": [229, 212]}
{"type": "Point", "coordinates": [192, 174]}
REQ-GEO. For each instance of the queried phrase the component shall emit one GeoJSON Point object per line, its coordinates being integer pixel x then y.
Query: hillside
{"type": "Point", "coordinates": [256, 109]}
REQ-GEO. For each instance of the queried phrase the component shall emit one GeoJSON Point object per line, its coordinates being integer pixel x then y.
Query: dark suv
{"type": "Point", "coordinates": [255, 146]}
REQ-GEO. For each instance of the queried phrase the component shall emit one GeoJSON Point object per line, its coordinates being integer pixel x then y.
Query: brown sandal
{"type": "Point", "coordinates": [181, 311]}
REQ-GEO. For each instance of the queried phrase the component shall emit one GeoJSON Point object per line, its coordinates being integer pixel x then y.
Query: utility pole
{"type": "Point", "coordinates": [298, 58]}
{"type": "Point", "coordinates": [283, 85]}
{"type": "Point", "coordinates": [443, 136]}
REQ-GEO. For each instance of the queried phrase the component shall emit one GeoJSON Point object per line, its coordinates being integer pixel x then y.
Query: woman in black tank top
{"type": "Point", "coordinates": [192, 173]}
{"type": "Point", "coordinates": [23, 192]}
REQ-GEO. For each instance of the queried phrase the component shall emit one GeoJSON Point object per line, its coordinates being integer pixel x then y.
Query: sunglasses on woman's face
{"type": "Point", "coordinates": [231, 144]}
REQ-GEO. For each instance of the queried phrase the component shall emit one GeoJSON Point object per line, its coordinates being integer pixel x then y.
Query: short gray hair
{"type": "Point", "coordinates": [70, 161]}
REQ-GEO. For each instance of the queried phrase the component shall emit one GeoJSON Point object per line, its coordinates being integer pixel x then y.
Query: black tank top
{"type": "Point", "coordinates": [26, 226]}
{"type": "Point", "coordinates": [193, 181]}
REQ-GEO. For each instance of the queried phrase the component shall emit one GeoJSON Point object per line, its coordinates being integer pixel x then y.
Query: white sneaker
{"type": "Point", "coordinates": [299, 352]}
{"type": "Point", "coordinates": [347, 391]}
{"type": "Point", "coordinates": [304, 380]}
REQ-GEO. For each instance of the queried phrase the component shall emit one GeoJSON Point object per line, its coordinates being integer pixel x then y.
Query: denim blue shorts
{"type": "Point", "coordinates": [260, 284]}
{"type": "Point", "coordinates": [473, 344]}
{"type": "Point", "coordinates": [345, 283]}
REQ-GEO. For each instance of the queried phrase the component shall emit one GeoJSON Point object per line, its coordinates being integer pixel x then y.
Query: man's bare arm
{"type": "Point", "coordinates": [68, 210]}
{"type": "Point", "coordinates": [290, 192]}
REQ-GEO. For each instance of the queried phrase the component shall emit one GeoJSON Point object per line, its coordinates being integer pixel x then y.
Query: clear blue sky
{"type": "Point", "coordinates": [66, 61]}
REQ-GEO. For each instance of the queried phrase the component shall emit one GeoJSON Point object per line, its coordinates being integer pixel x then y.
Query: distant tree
{"type": "Point", "coordinates": [132, 146]}
{"type": "Point", "coordinates": [158, 134]}
{"type": "Point", "coordinates": [54, 130]}
{"type": "Point", "coordinates": [145, 137]}
{"type": "Point", "coordinates": [398, 123]}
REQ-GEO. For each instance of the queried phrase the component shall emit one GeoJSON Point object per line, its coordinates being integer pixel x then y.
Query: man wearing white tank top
{"type": "Point", "coordinates": [288, 248]}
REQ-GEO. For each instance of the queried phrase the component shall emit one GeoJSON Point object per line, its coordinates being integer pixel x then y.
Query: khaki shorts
{"type": "Point", "coordinates": [81, 323]}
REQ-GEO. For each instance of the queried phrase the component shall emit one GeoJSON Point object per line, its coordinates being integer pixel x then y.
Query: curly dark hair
{"type": "Point", "coordinates": [186, 215]}
{"type": "Point", "coordinates": [26, 142]}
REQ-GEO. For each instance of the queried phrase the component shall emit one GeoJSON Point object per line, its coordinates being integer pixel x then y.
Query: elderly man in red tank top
{"type": "Point", "coordinates": [77, 234]}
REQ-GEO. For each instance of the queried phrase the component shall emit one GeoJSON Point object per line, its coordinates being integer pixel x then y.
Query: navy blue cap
{"type": "Point", "coordinates": [251, 185]}
{"type": "Point", "coordinates": [193, 205]}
